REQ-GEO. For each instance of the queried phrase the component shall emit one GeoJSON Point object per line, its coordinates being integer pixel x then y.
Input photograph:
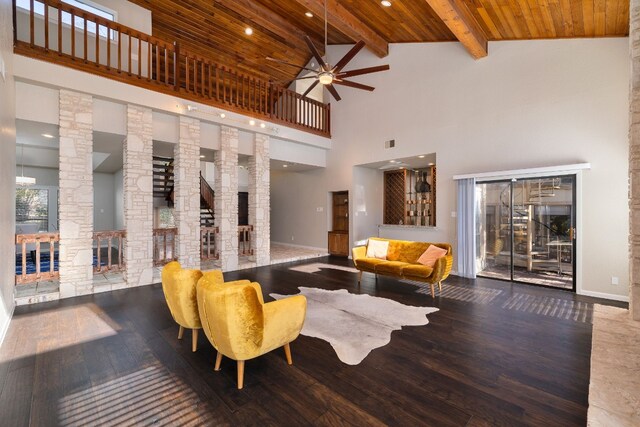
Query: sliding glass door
{"type": "Point", "coordinates": [525, 230]}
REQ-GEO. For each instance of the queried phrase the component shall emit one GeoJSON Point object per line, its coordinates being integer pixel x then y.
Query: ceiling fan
{"type": "Point", "coordinates": [328, 75]}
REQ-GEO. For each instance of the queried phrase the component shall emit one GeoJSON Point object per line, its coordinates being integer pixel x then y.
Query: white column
{"type": "Point", "coordinates": [187, 192]}
{"type": "Point", "coordinates": [634, 161]}
{"type": "Point", "coordinates": [138, 196]}
{"type": "Point", "coordinates": [226, 198]}
{"type": "Point", "coordinates": [76, 194]}
{"type": "Point", "coordinates": [259, 200]}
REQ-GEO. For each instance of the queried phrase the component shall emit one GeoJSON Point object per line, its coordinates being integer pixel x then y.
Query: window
{"type": "Point", "coordinates": [166, 219]}
{"type": "Point", "coordinates": [32, 207]}
{"type": "Point", "coordinates": [66, 17]}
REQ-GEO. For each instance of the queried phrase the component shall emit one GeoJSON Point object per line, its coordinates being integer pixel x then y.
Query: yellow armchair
{"type": "Point", "coordinates": [241, 326]}
{"type": "Point", "coordinates": [179, 287]}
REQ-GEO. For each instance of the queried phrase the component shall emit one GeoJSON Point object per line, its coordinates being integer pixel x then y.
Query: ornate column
{"type": "Point", "coordinates": [634, 161]}
{"type": "Point", "coordinates": [187, 192]}
{"type": "Point", "coordinates": [259, 200]}
{"type": "Point", "coordinates": [76, 194]}
{"type": "Point", "coordinates": [226, 197]}
{"type": "Point", "coordinates": [138, 196]}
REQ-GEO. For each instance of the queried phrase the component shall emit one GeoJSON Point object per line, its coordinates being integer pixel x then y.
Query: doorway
{"type": "Point", "coordinates": [526, 230]}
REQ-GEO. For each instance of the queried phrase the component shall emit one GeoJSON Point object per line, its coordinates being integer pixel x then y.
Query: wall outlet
{"type": "Point", "coordinates": [319, 209]}
{"type": "Point", "coordinates": [614, 280]}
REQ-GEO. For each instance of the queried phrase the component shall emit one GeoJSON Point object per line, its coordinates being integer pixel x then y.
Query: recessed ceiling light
{"type": "Point", "coordinates": [421, 157]}
{"type": "Point", "coordinates": [223, 115]}
{"type": "Point", "coordinates": [202, 156]}
{"type": "Point", "coordinates": [262, 125]}
{"type": "Point", "coordinates": [285, 166]}
{"type": "Point", "coordinates": [248, 31]}
{"type": "Point", "coordinates": [431, 164]}
{"type": "Point", "coordinates": [392, 161]}
{"type": "Point", "coordinates": [385, 3]}
{"type": "Point", "coordinates": [308, 14]}
{"type": "Point", "coordinates": [252, 122]}
{"type": "Point", "coordinates": [48, 135]}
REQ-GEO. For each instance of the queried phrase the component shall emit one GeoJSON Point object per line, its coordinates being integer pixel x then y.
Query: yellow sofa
{"type": "Point", "coordinates": [241, 326]}
{"type": "Point", "coordinates": [401, 262]}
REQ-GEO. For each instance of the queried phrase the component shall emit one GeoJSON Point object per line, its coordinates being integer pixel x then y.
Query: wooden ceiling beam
{"type": "Point", "coordinates": [460, 21]}
{"type": "Point", "coordinates": [348, 24]}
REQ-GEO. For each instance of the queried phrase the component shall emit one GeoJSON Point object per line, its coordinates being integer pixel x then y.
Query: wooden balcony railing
{"type": "Point", "coordinates": [57, 32]}
{"type": "Point", "coordinates": [164, 245]}
{"type": "Point", "coordinates": [113, 242]}
{"type": "Point", "coordinates": [244, 240]}
{"type": "Point", "coordinates": [37, 257]}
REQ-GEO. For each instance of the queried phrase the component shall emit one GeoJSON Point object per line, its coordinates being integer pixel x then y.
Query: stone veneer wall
{"type": "Point", "coordinates": [634, 161]}
{"type": "Point", "coordinates": [187, 193]}
{"type": "Point", "coordinates": [138, 196]}
{"type": "Point", "coordinates": [76, 194]}
{"type": "Point", "coordinates": [226, 197]}
{"type": "Point", "coordinates": [259, 199]}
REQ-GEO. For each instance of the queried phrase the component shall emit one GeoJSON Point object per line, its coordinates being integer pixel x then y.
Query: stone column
{"type": "Point", "coordinates": [226, 194]}
{"type": "Point", "coordinates": [634, 161]}
{"type": "Point", "coordinates": [259, 199]}
{"type": "Point", "coordinates": [187, 193]}
{"type": "Point", "coordinates": [138, 196]}
{"type": "Point", "coordinates": [76, 194]}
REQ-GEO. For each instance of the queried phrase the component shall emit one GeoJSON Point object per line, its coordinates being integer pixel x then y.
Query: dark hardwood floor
{"type": "Point", "coordinates": [495, 354]}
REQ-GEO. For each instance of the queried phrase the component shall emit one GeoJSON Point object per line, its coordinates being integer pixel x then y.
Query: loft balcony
{"type": "Point", "coordinates": [61, 34]}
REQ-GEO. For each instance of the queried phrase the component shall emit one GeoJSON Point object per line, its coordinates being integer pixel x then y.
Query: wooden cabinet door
{"type": "Point", "coordinates": [339, 244]}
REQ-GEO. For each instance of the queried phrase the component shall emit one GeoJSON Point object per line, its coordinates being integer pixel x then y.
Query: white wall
{"type": "Point", "coordinates": [7, 167]}
{"type": "Point", "coordinates": [44, 176]}
{"type": "Point", "coordinates": [528, 104]}
{"type": "Point", "coordinates": [104, 207]}
{"type": "Point", "coordinates": [118, 202]}
{"type": "Point", "coordinates": [367, 197]}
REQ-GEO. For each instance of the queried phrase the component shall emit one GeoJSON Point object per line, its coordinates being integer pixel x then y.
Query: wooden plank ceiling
{"type": "Point", "coordinates": [215, 28]}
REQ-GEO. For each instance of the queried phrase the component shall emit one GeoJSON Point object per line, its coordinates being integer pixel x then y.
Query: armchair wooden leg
{"type": "Point", "coordinates": [359, 276]}
{"type": "Point", "coordinates": [287, 352]}
{"type": "Point", "coordinates": [433, 290]}
{"type": "Point", "coordinates": [218, 360]}
{"type": "Point", "coordinates": [240, 374]}
{"type": "Point", "coordinates": [180, 332]}
{"type": "Point", "coordinates": [194, 340]}
{"type": "Point", "coordinates": [440, 286]}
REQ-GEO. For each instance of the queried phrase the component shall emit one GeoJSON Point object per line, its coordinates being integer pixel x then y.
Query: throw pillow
{"type": "Point", "coordinates": [377, 249]}
{"type": "Point", "coordinates": [431, 255]}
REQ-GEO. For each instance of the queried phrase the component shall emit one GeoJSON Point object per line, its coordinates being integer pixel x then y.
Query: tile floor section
{"type": "Point", "coordinates": [614, 390]}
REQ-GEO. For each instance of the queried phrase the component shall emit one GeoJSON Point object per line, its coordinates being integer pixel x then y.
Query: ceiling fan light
{"type": "Point", "coordinates": [325, 78]}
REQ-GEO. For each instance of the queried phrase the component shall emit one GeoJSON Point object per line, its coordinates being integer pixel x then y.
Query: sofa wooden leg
{"type": "Point", "coordinates": [180, 332]}
{"type": "Point", "coordinates": [240, 374]}
{"type": "Point", "coordinates": [433, 290]}
{"type": "Point", "coordinates": [287, 352]}
{"type": "Point", "coordinates": [359, 276]}
{"type": "Point", "coordinates": [218, 361]}
{"type": "Point", "coordinates": [194, 340]}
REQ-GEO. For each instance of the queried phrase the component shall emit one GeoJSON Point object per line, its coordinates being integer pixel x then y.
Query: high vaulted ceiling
{"type": "Point", "coordinates": [215, 28]}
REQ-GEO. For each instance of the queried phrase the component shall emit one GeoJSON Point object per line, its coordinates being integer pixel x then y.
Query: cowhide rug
{"type": "Point", "coordinates": [355, 324]}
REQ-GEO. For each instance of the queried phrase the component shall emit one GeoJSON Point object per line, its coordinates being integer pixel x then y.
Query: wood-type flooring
{"type": "Point", "coordinates": [114, 359]}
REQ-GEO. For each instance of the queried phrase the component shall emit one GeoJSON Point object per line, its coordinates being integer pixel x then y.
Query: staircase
{"type": "Point", "coordinates": [163, 182]}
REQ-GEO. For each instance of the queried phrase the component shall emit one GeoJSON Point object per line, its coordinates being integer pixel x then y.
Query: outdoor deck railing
{"type": "Point", "coordinates": [57, 32]}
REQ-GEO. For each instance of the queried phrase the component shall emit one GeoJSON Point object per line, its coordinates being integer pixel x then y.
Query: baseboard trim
{"type": "Point", "coordinates": [313, 248]}
{"type": "Point", "coordinates": [603, 295]}
{"type": "Point", "coordinates": [5, 327]}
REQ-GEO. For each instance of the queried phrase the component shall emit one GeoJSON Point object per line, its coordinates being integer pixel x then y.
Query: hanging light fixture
{"type": "Point", "coordinates": [22, 180]}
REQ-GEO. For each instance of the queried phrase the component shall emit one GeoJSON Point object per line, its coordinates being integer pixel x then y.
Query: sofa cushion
{"type": "Point", "coordinates": [405, 251]}
{"type": "Point", "coordinates": [393, 268]}
{"type": "Point", "coordinates": [377, 249]}
{"type": "Point", "coordinates": [431, 255]}
{"type": "Point", "coordinates": [417, 270]}
{"type": "Point", "coordinates": [369, 264]}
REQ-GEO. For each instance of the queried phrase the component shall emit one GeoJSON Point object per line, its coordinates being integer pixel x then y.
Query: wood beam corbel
{"type": "Point", "coordinates": [348, 24]}
{"type": "Point", "coordinates": [456, 16]}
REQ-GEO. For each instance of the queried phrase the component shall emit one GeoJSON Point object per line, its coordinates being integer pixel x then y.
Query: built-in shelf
{"type": "Point", "coordinates": [410, 197]}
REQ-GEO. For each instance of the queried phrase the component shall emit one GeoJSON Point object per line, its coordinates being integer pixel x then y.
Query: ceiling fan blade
{"type": "Point", "coordinates": [361, 71]}
{"type": "Point", "coordinates": [332, 90]}
{"type": "Point", "coordinates": [314, 84]}
{"type": "Point", "coordinates": [315, 53]}
{"type": "Point", "coordinates": [290, 64]}
{"type": "Point", "coordinates": [353, 84]}
{"type": "Point", "coordinates": [348, 57]}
